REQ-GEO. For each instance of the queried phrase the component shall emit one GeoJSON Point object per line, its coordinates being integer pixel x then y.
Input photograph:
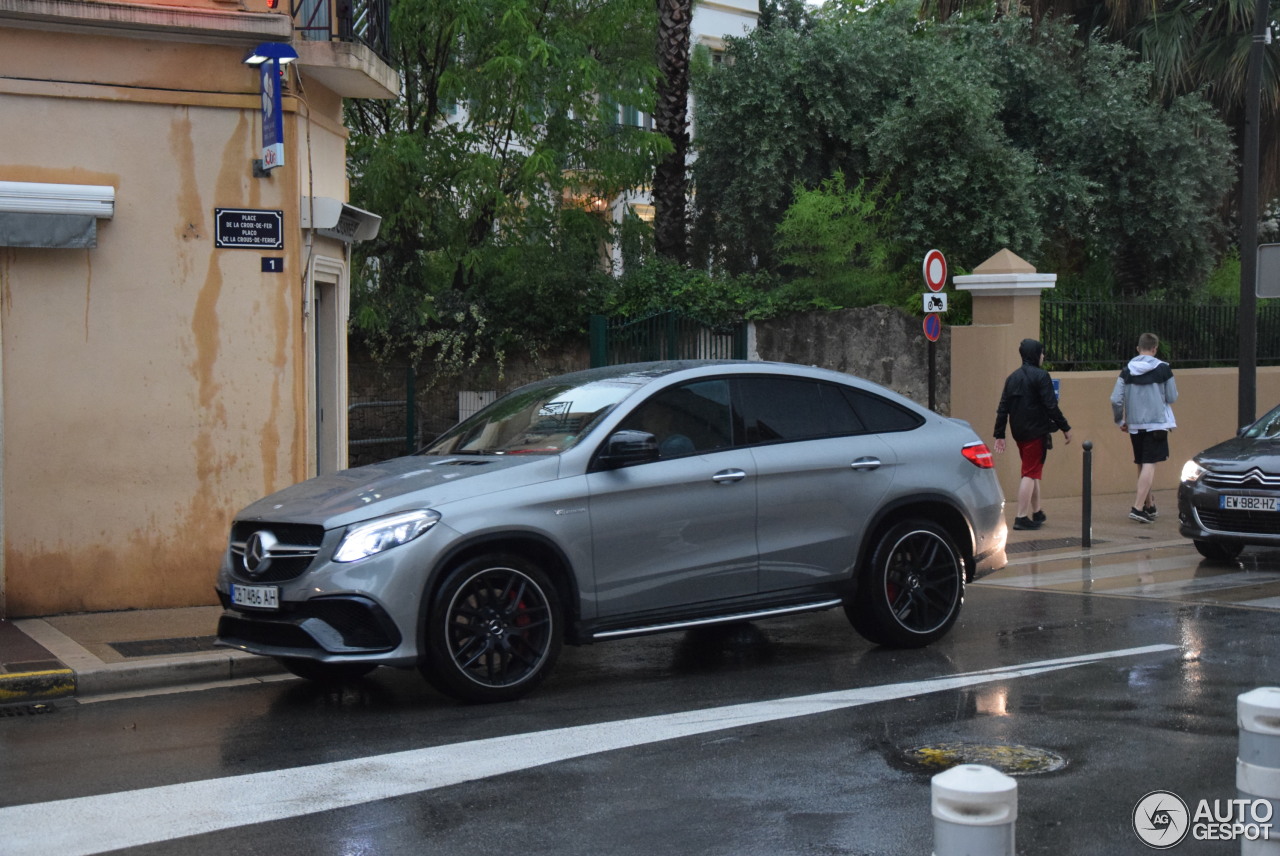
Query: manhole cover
{"type": "Point", "coordinates": [1013, 759]}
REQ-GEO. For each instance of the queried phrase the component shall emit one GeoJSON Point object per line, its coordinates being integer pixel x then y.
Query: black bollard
{"type": "Point", "coordinates": [1086, 498]}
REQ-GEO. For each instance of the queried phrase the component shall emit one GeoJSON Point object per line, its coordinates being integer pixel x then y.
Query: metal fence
{"type": "Point", "coordinates": [1083, 335]}
{"type": "Point", "coordinates": [663, 336]}
{"type": "Point", "coordinates": [381, 413]}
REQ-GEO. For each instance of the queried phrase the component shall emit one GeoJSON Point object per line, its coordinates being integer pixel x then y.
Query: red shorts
{"type": "Point", "coordinates": [1033, 454]}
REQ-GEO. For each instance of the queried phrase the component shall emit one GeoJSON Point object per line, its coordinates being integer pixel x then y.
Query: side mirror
{"type": "Point", "coordinates": [627, 447]}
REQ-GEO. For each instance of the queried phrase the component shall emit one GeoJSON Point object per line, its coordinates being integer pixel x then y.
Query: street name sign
{"type": "Point", "coordinates": [247, 228]}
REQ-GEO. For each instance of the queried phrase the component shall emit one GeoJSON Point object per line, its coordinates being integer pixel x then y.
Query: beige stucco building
{"type": "Point", "coordinates": [164, 360]}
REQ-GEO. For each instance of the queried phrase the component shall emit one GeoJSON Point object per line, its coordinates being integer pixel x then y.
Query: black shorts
{"type": "Point", "coordinates": [1150, 447]}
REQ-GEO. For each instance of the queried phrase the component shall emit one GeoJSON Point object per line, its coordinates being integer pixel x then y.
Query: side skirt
{"type": "Point", "coordinates": [752, 615]}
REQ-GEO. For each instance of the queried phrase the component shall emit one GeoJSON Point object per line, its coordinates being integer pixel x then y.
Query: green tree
{"type": "Point", "coordinates": [987, 133]}
{"type": "Point", "coordinates": [491, 168]}
{"type": "Point", "coordinates": [841, 239]}
{"type": "Point", "coordinates": [1192, 45]}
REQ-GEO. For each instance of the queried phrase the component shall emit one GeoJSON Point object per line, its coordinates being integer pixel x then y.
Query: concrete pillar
{"type": "Point", "coordinates": [1006, 309]}
{"type": "Point", "coordinates": [1258, 769]}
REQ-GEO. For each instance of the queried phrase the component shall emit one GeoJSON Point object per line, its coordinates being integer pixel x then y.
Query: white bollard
{"type": "Point", "coordinates": [974, 810]}
{"type": "Point", "coordinates": [1258, 766]}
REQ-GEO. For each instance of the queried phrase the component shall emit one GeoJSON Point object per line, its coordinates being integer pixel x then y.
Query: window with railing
{"type": "Point", "coordinates": [366, 22]}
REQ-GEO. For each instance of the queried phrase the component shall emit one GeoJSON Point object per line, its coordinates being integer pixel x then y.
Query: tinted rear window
{"type": "Point", "coordinates": [880, 414]}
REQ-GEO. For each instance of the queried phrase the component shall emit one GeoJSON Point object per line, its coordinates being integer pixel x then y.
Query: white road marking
{"type": "Point", "coordinates": [97, 824]}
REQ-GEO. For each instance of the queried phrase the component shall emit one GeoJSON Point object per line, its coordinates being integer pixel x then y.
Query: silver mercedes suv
{"type": "Point", "coordinates": [616, 502]}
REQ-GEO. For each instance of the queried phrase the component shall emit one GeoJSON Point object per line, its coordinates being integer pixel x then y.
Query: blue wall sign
{"type": "Point", "coordinates": [272, 115]}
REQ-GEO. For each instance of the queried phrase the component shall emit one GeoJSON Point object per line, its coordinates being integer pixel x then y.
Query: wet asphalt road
{"type": "Point", "coordinates": [782, 780]}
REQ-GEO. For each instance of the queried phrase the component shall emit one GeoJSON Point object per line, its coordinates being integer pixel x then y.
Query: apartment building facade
{"type": "Point", "coordinates": [175, 246]}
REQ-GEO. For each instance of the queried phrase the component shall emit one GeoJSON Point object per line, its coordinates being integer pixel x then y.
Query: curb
{"type": "Point", "coordinates": [70, 670]}
{"type": "Point", "coordinates": [115, 678]}
{"type": "Point", "coordinates": [44, 685]}
{"type": "Point", "coordinates": [208, 668]}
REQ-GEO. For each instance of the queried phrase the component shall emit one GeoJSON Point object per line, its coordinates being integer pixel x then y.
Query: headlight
{"type": "Point", "coordinates": [365, 539]}
{"type": "Point", "coordinates": [1191, 471]}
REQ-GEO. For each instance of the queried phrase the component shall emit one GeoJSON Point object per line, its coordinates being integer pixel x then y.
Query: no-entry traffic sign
{"type": "Point", "coordinates": [935, 270]}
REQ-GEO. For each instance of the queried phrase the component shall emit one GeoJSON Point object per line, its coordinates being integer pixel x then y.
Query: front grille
{"type": "Point", "coordinates": [1254, 478]}
{"type": "Point", "coordinates": [1244, 522]}
{"type": "Point", "coordinates": [299, 543]}
{"type": "Point", "coordinates": [336, 624]}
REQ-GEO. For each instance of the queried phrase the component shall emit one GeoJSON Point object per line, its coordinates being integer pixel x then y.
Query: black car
{"type": "Point", "coordinates": [1229, 496]}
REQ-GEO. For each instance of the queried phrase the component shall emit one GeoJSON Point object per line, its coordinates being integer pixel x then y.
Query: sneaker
{"type": "Point", "coordinates": [1140, 516]}
{"type": "Point", "coordinates": [1151, 511]}
{"type": "Point", "coordinates": [1025, 523]}
{"type": "Point", "coordinates": [1039, 517]}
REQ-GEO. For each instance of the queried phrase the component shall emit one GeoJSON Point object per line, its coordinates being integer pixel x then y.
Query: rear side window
{"type": "Point", "coordinates": [879, 414]}
{"type": "Point", "coordinates": [775, 409]}
{"type": "Point", "coordinates": [686, 419]}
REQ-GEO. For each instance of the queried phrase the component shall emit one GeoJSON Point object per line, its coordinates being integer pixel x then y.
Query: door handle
{"type": "Point", "coordinates": [729, 476]}
{"type": "Point", "coordinates": [866, 464]}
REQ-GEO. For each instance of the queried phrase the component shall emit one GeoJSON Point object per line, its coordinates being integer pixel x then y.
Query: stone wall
{"type": "Point", "coordinates": [879, 343]}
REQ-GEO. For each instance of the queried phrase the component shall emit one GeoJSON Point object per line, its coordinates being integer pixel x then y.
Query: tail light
{"type": "Point", "coordinates": [979, 455]}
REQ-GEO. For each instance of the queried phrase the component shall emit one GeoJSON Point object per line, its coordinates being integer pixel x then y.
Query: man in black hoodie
{"type": "Point", "coordinates": [1030, 408]}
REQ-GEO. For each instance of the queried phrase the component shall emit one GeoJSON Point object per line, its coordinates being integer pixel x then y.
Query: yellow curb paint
{"type": "Point", "coordinates": [26, 686]}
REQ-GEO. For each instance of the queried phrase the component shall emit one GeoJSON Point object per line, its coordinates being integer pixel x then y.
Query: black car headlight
{"type": "Point", "coordinates": [374, 536]}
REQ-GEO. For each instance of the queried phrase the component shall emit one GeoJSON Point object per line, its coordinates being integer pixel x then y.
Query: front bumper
{"type": "Point", "coordinates": [1201, 518]}
{"type": "Point", "coordinates": [342, 625]}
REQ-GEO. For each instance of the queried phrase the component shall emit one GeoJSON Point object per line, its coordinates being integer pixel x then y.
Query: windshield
{"type": "Point", "coordinates": [1266, 428]}
{"type": "Point", "coordinates": [543, 419]}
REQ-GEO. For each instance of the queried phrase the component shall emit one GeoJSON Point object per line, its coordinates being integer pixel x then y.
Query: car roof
{"type": "Point", "coordinates": [647, 372]}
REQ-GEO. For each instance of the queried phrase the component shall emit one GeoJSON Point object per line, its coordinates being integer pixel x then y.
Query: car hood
{"type": "Point", "coordinates": [1241, 454]}
{"type": "Point", "coordinates": [350, 496]}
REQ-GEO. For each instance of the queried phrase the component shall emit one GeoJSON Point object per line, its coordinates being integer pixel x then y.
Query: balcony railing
{"type": "Point", "coordinates": [365, 21]}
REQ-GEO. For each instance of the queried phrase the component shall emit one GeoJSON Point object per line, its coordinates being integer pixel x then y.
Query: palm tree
{"type": "Point", "coordinates": [671, 119]}
{"type": "Point", "coordinates": [1204, 45]}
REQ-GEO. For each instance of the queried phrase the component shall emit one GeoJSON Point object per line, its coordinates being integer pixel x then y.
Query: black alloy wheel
{"type": "Point", "coordinates": [912, 588]}
{"type": "Point", "coordinates": [494, 631]}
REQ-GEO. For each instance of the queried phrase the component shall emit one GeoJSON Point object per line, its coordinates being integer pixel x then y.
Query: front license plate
{"type": "Point", "coordinates": [1247, 503]}
{"type": "Point", "coordinates": [261, 597]}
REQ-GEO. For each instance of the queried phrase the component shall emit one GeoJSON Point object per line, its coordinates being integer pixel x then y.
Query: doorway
{"type": "Point", "coordinates": [328, 341]}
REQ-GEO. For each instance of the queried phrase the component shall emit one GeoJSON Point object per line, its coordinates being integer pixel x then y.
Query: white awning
{"type": "Point", "coordinates": [54, 216]}
{"type": "Point", "coordinates": [336, 219]}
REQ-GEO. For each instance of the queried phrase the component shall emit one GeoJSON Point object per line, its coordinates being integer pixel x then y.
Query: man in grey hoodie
{"type": "Point", "coordinates": [1141, 405]}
